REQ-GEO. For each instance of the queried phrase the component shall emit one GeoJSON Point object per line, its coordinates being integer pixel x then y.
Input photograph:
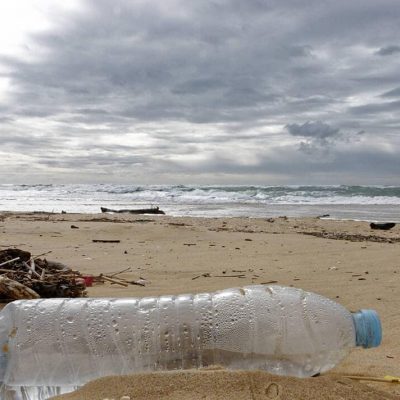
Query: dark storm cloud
{"type": "Point", "coordinates": [392, 93]}
{"type": "Point", "coordinates": [206, 79]}
{"type": "Point", "coordinates": [376, 108]}
{"type": "Point", "coordinates": [317, 129]}
{"type": "Point", "coordinates": [340, 163]}
{"type": "Point", "coordinates": [388, 50]}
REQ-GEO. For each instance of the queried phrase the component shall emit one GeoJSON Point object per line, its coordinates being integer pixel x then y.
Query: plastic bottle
{"type": "Point", "coordinates": [64, 343]}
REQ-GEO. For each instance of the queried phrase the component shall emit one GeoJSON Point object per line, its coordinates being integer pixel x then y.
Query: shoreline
{"type": "Point", "coordinates": [323, 217]}
{"type": "Point", "coordinates": [342, 212]}
{"type": "Point", "coordinates": [345, 261]}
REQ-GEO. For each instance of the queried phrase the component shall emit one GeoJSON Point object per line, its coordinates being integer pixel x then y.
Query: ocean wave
{"type": "Point", "coordinates": [202, 195]}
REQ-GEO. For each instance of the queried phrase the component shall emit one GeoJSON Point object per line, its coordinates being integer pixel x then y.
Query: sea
{"type": "Point", "coordinates": [364, 203]}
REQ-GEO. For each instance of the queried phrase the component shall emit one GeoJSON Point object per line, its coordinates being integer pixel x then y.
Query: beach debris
{"type": "Point", "coordinates": [323, 216]}
{"type": "Point", "coordinates": [12, 289]}
{"type": "Point", "coordinates": [387, 378]}
{"type": "Point", "coordinates": [114, 274]}
{"type": "Point", "coordinates": [9, 261]}
{"type": "Point", "coordinates": [384, 226]}
{"type": "Point", "coordinates": [139, 282]}
{"type": "Point", "coordinates": [106, 241]}
{"type": "Point", "coordinates": [113, 278]}
{"type": "Point", "coordinates": [120, 281]}
{"type": "Point", "coordinates": [74, 227]}
{"type": "Point", "coordinates": [152, 210]}
{"type": "Point", "coordinates": [205, 275]}
{"type": "Point", "coordinates": [177, 224]}
{"type": "Point", "coordinates": [351, 237]}
{"type": "Point", "coordinates": [30, 277]}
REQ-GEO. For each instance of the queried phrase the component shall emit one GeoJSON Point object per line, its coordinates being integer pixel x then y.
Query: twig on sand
{"type": "Point", "coordinates": [390, 379]}
{"type": "Point", "coordinates": [105, 241]}
{"type": "Point", "coordinates": [139, 282]}
{"type": "Point", "coordinates": [205, 275]}
{"type": "Point", "coordinates": [40, 255]}
{"type": "Point", "coordinates": [106, 278]}
{"type": "Point", "coordinates": [112, 274]}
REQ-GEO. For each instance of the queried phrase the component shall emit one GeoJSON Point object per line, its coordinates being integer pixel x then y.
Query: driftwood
{"type": "Point", "coordinates": [27, 277]}
{"type": "Point", "coordinates": [106, 241]}
{"type": "Point", "coordinates": [152, 210]}
{"type": "Point", "coordinates": [11, 289]}
{"type": "Point", "coordinates": [106, 278]}
{"type": "Point", "coordinates": [119, 281]}
{"type": "Point", "coordinates": [384, 226]}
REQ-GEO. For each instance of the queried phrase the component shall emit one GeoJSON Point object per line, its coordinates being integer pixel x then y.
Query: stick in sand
{"type": "Point", "coordinates": [119, 272]}
{"type": "Point", "coordinates": [106, 278]}
{"type": "Point", "coordinates": [388, 379]}
{"type": "Point", "coordinates": [105, 241]}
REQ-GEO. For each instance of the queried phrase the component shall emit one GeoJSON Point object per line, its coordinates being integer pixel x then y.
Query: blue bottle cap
{"type": "Point", "coordinates": [368, 328]}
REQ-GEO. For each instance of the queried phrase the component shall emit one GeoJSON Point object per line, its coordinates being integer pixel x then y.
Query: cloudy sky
{"type": "Point", "coordinates": [201, 91]}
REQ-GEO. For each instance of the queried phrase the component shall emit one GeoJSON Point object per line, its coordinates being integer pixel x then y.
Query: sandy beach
{"type": "Point", "coordinates": [342, 260]}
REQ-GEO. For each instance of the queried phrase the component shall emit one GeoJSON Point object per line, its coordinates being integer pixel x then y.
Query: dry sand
{"type": "Point", "coordinates": [345, 261]}
{"type": "Point", "coordinates": [222, 385]}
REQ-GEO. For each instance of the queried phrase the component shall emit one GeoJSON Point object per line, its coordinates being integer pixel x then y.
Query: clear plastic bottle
{"type": "Point", "coordinates": [59, 344]}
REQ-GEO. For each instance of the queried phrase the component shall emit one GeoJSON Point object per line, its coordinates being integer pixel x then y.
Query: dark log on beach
{"type": "Point", "coordinates": [153, 210]}
{"type": "Point", "coordinates": [385, 226]}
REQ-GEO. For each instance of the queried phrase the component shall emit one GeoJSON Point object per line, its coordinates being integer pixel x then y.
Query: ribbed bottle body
{"type": "Point", "coordinates": [68, 342]}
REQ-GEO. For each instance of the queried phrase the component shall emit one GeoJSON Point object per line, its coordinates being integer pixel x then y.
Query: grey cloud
{"type": "Point", "coordinates": [392, 93]}
{"type": "Point", "coordinates": [301, 51]}
{"type": "Point", "coordinates": [6, 120]}
{"type": "Point", "coordinates": [388, 50]}
{"type": "Point", "coordinates": [231, 71]}
{"type": "Point", "coordinates": [94, 161]}
{"type": "Point", "coordinates": [376, 108]}
{"type": "Point", "coordinates": [317, 129]}
{"type": "Point", "coordinates": [24, 142]}
{"type": "Point", "coordinates": [355, 160]}
{"type": "Point", "coordinates": [322, 140]}
{"type": "Point", "coordinates": [152, 65]}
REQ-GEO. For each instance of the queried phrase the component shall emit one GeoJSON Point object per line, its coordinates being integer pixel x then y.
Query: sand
{"type": "Point", "coordinates": [343, 260]}
{"type": "Point", "coordinates": [223, 385]}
